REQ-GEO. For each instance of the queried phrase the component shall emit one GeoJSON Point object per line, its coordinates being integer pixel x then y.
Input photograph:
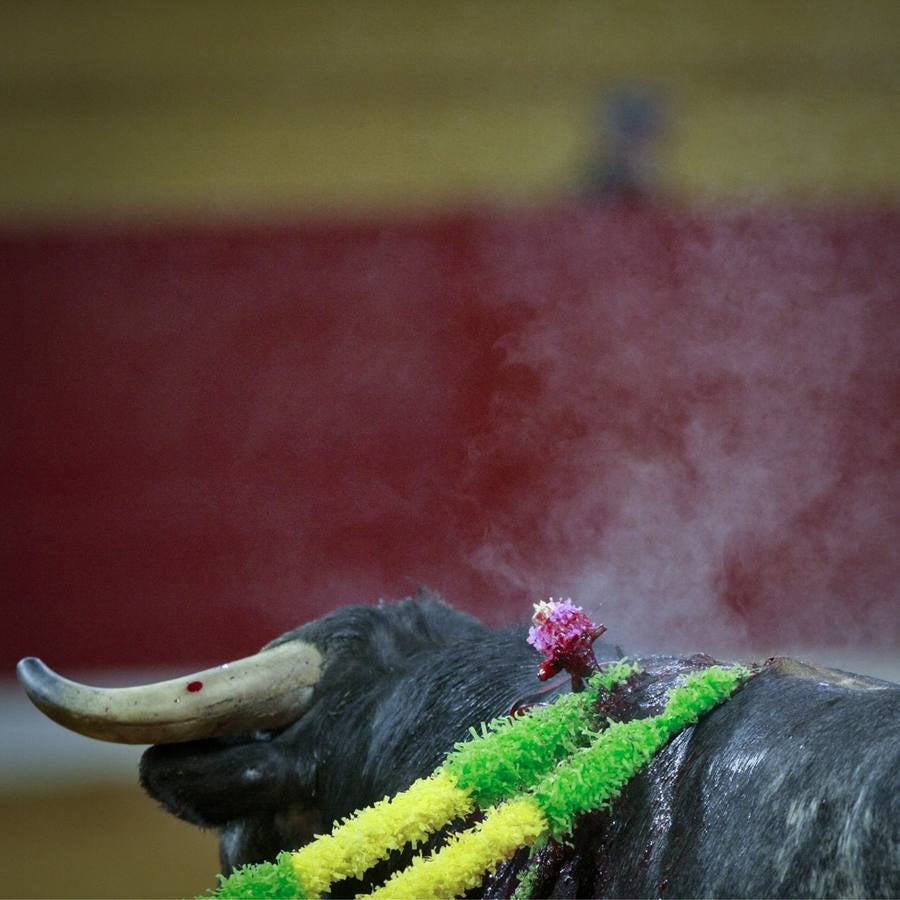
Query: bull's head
{"type": "Point", "coordinates": [329, 717]}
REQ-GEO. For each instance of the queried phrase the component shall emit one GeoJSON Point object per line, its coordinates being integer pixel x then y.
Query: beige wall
{"type": "Point", "coordinates": [160, 107]}
{"type": "Point", "coordinates": [99, 840]}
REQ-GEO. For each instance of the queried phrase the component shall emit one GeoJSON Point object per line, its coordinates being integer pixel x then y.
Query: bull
{"type": "Point", "coordinates": [790, 789]}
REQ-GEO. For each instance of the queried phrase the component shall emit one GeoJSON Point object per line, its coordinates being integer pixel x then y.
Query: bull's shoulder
{"type": "Point", "coordinates": [782, 686]}
{"type": "Point", "coordinates": [787, 789]}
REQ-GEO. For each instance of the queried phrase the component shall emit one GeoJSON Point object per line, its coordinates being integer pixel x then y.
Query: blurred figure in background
{"type": "Point", "coordinates": [629, 128]}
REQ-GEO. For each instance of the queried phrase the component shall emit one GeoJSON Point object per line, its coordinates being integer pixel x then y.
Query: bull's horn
{"type": "Point", "coordinates": [267, 690]}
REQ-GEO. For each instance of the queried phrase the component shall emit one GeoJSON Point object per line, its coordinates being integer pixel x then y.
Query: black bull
{"type": "Point", "coordinates": [789, 789]}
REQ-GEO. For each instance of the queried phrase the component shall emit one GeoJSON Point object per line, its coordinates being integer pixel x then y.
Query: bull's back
{"type": "Point", "coordinates": [787, 790]}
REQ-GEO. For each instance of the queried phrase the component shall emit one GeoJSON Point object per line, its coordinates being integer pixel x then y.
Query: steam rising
{"type": "Point", "coordinates": [687, 421]}
{"type": "Point", "coordinates": [718, 412]}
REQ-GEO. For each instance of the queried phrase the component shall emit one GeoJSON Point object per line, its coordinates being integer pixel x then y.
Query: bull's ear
{"type": "Point", "coordinates": [210, 783]}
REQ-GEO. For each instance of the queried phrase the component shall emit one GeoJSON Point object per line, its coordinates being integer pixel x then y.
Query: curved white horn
{"type": "Point", "coordinates": [267, 690]}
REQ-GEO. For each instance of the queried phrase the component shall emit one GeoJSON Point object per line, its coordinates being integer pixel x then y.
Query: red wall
{"type": "Point", "coordinates": [214, 433]}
